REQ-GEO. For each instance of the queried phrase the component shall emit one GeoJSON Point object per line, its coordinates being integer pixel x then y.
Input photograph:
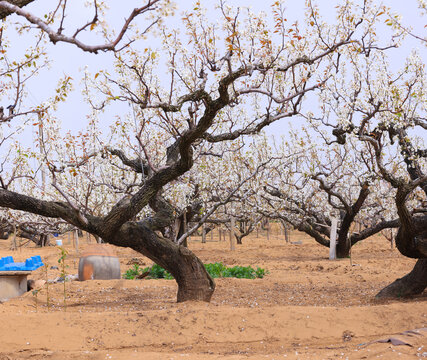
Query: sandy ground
{"type": "Point", "coordinates": [307, 307]}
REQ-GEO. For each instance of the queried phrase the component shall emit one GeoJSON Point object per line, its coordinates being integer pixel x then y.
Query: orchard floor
{"type": "Point", "coordinates": [307, 307]}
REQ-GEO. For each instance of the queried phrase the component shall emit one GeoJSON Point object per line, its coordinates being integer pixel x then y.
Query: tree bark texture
{"type": "Point", "coordinates": [20, 3]}
{"type": "Point", "coordinates": [194, 282]}
{"type": "Point", "coordinates": [411, 284]}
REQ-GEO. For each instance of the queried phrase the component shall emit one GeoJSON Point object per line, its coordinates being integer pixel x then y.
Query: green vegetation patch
{"type": "Point", "coordinates": [215, 270]}
{"type": "Point", "coordinates": [218, 270]}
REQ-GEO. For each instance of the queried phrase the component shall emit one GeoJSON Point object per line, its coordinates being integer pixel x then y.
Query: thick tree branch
{"type": "Point", "coordinates": [7, 8]}
{"type": "Point", "coordinates": [136, 165]}
{"type": "Point", "coordinates": [51, 209]}
{"type": "Point", "coordinates": [372, 230]}
{"type": "Point", "coordinates": [19, 3]}
{"type": "Point", "coordinates": [123, 212]}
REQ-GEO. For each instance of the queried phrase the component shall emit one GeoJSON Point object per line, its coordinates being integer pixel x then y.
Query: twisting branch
{"type": "Point", "coordinates": [307, 60]}
{"type": "Point", "coordinates": [7, 8]}
{"type": "Point", "coordinates": [135, 164]}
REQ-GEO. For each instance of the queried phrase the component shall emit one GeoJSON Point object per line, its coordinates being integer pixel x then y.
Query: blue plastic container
{"type": "Point", "coordinates": [32, 263]}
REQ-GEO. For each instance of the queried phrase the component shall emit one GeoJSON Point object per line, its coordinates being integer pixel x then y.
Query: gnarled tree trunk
{"type": "Point", "coordinates": [343, 246]}
{"type": "Point", "coordinates": [411, 241]}
{"type": "Point", "coordinates": [411, 284]}
{"type": "Point", "coordinates": [194, 282]}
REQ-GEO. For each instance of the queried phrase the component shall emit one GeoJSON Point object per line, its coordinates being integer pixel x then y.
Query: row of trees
{"type": "Point", "coordinates": [188, 145]}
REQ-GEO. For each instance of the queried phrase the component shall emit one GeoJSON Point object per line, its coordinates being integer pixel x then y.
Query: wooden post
{"type": "Point", "coordinates": [268, 231]}
{"type": "Point", "coordinates": [333, 240]}
{"type": "Point", "coordinates": [232, 247]}
{"type": "Point", "coordinates": [257, 231]}
{"type": "Point", "coordinates": [392, 239]}
{"type": "Point", "coordinates": [14, 247]}
{"type": "Point", "coordinates": [69, 237]}
{"type": "Point", "coordinates": [212, 234]}
{"type": "Point", "coordinates": [203, 234]}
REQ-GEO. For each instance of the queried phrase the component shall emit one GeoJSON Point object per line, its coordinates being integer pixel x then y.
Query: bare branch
{"type": "Point", "coordinates": [57, 36]}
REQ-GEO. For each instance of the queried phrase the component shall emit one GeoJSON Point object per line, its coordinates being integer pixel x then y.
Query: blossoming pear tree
{"type": "Point", "coordinates": [385, 109]}
{"type": "Point", "coordinates": [179, 90]}
{"type": "Point", "coordinates": [328, 181]}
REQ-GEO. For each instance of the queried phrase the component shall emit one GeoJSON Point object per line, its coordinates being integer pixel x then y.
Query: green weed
{"type": "Point", "coordinates": [215, 270]}
{"type": "Point", "coordinates": [132, 273]}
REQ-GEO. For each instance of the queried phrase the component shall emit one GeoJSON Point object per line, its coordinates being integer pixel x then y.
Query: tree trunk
{"type": "Point", "coordinates": [183, 229]}
{"type": "Point", "coordinates": [43, 240]}
{"type": "Point", "coordinates": [194, 282]}
{"type": "Point", "coordinates": [411, 284]}
{"type": "Point", "coordinates": [286, 231]}
{"type": "Point", "coordinates": [343, 246]}
{"type": "Point", "coordinates": [232, 222]}
{"type": "Point", "coordinates": [204, 234]}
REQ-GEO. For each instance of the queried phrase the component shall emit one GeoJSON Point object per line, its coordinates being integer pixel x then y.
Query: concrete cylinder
{"type": "Point", "coordinates": [99, 262]}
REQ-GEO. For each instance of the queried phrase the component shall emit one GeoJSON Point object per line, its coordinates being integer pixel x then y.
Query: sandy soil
{"type": "Point", "coordinates": [307, 307]}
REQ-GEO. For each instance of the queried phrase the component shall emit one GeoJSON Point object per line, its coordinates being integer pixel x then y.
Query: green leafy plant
{"type": "Point", "coordinates": [132, 273]}
{"type": "Point", "coordinates": [216, 270]}
{"type": "Point", "coordinates": [260, 272]}
{"type": "Point", "coordinates": [35, 292]}
{"type": "Point", "coordinates": [155, 272]}
{"type": "Point", "coordinates": [61, 261]}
